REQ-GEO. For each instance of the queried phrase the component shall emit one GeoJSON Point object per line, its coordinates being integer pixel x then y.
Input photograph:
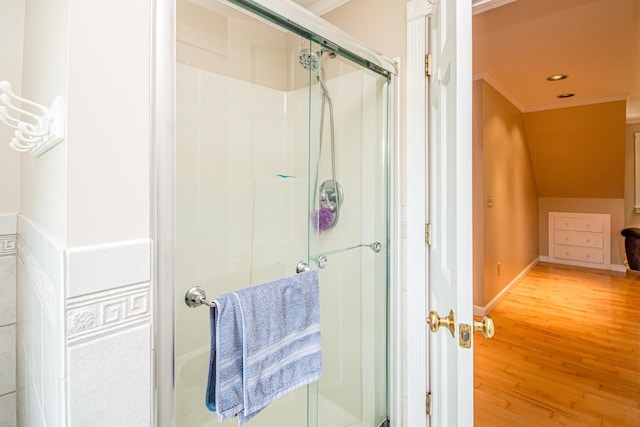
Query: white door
{"type": "Point", "coordinates": [449, 200]}
{"type": "Point", "coordinates": [438, 168]}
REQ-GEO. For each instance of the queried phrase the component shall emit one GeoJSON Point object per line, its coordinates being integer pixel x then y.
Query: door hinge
{"type": "Point", "coordinates": [428, 403]}
{"type": "Point", "coordinates": [427, 65]}
{"type": "Point", "coordinates": [427, 234]}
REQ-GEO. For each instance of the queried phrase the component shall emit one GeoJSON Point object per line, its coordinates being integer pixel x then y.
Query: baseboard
{"type": "Point", "coordinates": [482, 311]}
{"type": "Point", "coordinates": [619, 268]}
{"type": "Point", "coordinates": [612, 267]}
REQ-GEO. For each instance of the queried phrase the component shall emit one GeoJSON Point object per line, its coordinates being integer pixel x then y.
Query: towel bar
{"type": "Point", "coordinates": [196, 296]}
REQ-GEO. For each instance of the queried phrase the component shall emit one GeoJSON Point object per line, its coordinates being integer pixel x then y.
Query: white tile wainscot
{"type": "Point", "coordinates": [108, 334]}
{"type": "Point", "coordinates": [40, 353]}
{"type": "Point", "coordinates": [83, 332]}
{"type": "Point", "coordinates": [109, 358]}
{"type": "Point", "coordinates": [8, 366]}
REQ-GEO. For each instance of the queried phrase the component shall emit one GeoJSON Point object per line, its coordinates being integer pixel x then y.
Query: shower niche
{"type": "Point", "coordinates": [281, 156]}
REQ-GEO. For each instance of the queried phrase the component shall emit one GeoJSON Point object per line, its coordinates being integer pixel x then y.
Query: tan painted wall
{"type": "Point", "coordinates": [384, 26]}
{"type": "Point", "coordinates": [578, 152]}
{"type": "Point", "coordinates": [578, 156]}
{"type": "Point", "coordinates": [478, 195]}
{"type": "Point", "coordinates": [613, 207]}
{"type": "Point", "coordinates": [631, 218]}
{"type": "Point", "coordinates": [510, 201]}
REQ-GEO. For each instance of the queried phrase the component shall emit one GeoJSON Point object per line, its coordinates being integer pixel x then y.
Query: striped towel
{"type": "Point", "coordinates": [265, 343]}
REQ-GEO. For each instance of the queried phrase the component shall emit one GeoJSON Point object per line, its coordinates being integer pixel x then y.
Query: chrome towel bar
{"type": "Point", "coordinates": [196, 296]}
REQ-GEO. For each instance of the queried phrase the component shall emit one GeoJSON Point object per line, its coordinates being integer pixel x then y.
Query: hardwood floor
{"type": "Point", "coordinates": [566, 352]}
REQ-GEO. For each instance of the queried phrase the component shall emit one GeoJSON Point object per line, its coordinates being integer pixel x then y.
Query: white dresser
{"type": "Point", "coordinates": [582, 239]}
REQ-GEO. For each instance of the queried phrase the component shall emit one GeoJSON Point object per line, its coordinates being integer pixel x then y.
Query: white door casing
{"type": "Point", "coordinates": [439, 192]}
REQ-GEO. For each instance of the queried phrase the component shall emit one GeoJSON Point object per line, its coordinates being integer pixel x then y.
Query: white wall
{"type": "Point", "coordinates": [84, 254]}
{"type": "Point", "coordinates": [109, 113]}
{"type": "Point", "coordinates": [43, 179]}
{"type": "Point", "coordinates": [12, 24]}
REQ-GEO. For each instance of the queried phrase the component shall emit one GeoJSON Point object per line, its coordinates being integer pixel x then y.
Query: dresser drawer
{"type": "Point", "coordinates": [594, 225]}
{"type": "Point", "coordinates": [579, 253]}
{"type": "Point", "coordinates": [579, 238]}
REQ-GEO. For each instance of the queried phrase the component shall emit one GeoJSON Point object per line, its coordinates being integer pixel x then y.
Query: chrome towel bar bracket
{"type": "Point", "coordinates": [196, 296]}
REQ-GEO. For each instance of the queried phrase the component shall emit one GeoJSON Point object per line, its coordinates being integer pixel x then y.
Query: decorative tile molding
{"type": "Point", "coordinates": [8, 243]}
{"type": "Point", "coordinates": [41, 281]}
{"type": "Point", "coordinates": [93, 316]}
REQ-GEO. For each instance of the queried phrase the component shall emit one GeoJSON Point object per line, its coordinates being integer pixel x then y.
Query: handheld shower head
{"type": "Point", "coordinates": [309, 60]}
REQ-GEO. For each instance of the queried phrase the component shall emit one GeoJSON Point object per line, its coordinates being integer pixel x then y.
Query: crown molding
{"type": "Point", "coordinates": [497, 86]}
{"type": "Point", "coordinates": [480, 6]}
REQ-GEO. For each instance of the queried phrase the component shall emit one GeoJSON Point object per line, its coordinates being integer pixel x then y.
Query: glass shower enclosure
{"type": "Point", "coordinates": [281, 156]}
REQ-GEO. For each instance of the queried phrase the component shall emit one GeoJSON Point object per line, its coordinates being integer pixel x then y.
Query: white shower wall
{"type": "Point", "coordinates": [239, 224]}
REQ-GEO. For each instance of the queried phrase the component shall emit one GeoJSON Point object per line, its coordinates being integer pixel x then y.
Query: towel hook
{"type": "Point", "coordinates": [37, 130]}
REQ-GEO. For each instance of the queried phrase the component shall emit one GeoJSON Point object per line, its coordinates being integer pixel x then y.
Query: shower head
{"type": "Point", "coordinates": [313, 61]}
{"type": "Point", "coordinates": [309, 60]}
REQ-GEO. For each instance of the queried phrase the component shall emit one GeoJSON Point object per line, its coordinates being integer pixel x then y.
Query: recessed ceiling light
{"type": "Point", "coordinates": [556, 77]}
{"type": "Point", "coordinates": [566, 95]}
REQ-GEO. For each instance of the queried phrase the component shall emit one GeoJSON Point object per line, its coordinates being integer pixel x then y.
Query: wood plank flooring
{"type": "Point", "coordinates": [566, 352]}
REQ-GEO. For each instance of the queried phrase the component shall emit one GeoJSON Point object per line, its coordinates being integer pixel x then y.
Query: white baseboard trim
{"type": "Point", "coordinates": [618, 267]}
{"type": "Point", "coordinates": [482, 311]}
{"type": "Point", "coordinates": [612, 267]}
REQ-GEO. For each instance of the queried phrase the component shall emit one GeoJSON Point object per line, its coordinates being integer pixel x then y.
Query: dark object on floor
{"type": "Point", "coordinates": [632, 247]}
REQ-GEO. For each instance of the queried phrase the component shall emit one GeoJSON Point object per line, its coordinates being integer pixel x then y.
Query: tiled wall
{"type": "Point", "coordinates": [8, 320]}
{"type": "Point", "coordinates": [39, 329]}
{"type": "Point", "coordinates": [84, 332]}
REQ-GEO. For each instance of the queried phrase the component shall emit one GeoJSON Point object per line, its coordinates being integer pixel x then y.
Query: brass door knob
{"type": "Point", "coordinates": [435, 322]}
{"type": "Point", "coordinates": [486, 326]}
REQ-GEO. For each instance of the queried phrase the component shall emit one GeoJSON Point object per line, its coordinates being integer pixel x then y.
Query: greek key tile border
{"type": "Point", "coordinates": [89, 317]}
{"type": "Point", "coordinates": [8, 244]}
{"type": "Point", "coordinates": [41, 281]}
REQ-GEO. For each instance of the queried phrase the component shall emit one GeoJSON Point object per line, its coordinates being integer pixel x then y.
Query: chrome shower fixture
{"type": "Point", "coordinates": [329, 201]}
{"type": "Point", "coordinates": [309, 60]}
{"type": "Point", "coordinates": [330, 196]}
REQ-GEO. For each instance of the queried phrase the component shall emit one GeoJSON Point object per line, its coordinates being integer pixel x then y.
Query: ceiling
{"type": "Point", "coordinates": [595, 42]}
{"type": "Point", "coordinates": [517, 44]}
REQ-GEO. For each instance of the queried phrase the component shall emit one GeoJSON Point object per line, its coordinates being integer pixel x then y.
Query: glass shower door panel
{"type": "Point", "coordinates": [352, 254]}
{"type": "Point", "coordinates": [254, 145]}
{"type": "Point", "coordinates": [242, 182]}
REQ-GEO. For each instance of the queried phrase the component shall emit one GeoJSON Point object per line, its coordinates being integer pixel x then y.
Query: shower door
{"type": "Point", "coordinates": [264, 118]}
